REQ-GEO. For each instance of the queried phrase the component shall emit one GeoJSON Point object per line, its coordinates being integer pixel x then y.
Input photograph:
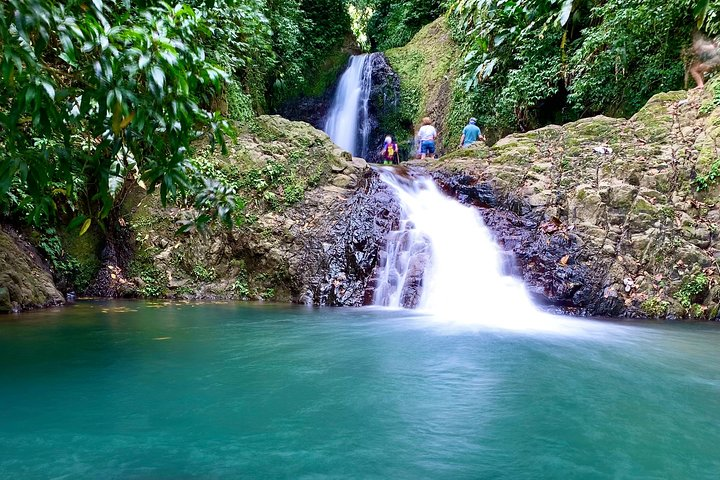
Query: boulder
{"type": "Point", "coordinates": [25, 281]}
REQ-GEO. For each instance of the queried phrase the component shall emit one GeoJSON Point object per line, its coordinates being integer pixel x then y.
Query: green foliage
{"type": "Point", "coordinates": [153, 281]}
{"type": "Point", "coordinates": [393, 23]}
{"type": "Point", "coordinates": [239, 104]}
{"type": "Point", "coordinates": [67, 269]}
{"type": "Point", "coordinates": [275, 184]}
{"type": "Point", "coordinates": [204, 274]}
{"type": "Point", "coordinates": [528, 63]}
{"type": "Point", "coordinates": [240, 287]}
{"type": "Point", "coordinates": [692, 288]}
{"type": "Point", "coordinates": [311, 34]}
{"type": "Point", "coordinates": [99, 95]}
{"type": "Point", "coordinates": [629, 51]}
{"type": "Point", "coordinates": [269, 293]}
{"type": "Point", "coordinates": [654, 307]}
{"type": "Point", "coordinates": [705, 181]}
{"type": "Point", "coordinates": [102, 92]}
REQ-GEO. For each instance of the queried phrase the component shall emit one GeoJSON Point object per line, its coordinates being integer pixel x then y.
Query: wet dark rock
{"type": "Point", "coordinates": [383, 103]}
{"type": "Point", "coordinates": [467, 189]}
{"type": "Point", "coordinates": [342, 274]}
{"type": "Point", "coordinates": [412, 289]}
{"type": "Point", "coordinates": [312, 110]}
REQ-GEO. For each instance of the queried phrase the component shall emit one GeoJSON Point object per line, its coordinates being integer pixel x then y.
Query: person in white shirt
{"type": "Point", "coordinates": [427, 135]}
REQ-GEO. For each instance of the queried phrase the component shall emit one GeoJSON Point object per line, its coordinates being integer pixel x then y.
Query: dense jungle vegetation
{"type": "Point", "coordinates": [96, 95]}
{"type": "Point", "coordinates": [532, 62]}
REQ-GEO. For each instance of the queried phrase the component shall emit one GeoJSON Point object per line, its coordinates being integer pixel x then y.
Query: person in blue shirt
{"type": "Point", "coordinates": [471, 133]}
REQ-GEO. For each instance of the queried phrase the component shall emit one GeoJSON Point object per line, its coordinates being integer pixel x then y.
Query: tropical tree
{"type": "Point", "coordinates": [95, 93]}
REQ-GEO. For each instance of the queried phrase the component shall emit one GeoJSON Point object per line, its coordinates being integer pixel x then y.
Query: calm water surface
{"type": "Point", "coordinates": [180, 391]}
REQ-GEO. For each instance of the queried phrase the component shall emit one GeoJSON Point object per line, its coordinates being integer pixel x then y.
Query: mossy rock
{"type": "Point", "coordinates": [595, 129]}
{"type": "Point", "coordinates": [427, 70]}
{"type": "Point", "coordinates": [24, 281]}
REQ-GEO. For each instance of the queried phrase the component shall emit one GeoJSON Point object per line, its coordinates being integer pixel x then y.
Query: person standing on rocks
{"type": "Point", "coordinates": [706, 55]}
{"type": "Point", "coordinates": [427, 136]}
{"type": "Point", "coordinates": [390, 152]}
{"type": "Point", "coordinates": [471, 133]}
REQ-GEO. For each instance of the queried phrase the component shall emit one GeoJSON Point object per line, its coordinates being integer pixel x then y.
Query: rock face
{"type": "Point", "coordinates": [313, 221]}
{"type": "Point", "coordinates": [604, 215]}
{"type": "Point", "coordinates": [25, 282]}
{"type": "Point", "coordinates": [312, 110]}
{"type": "Point", "coordinates": [383, 103]}
{"type": "Point", "coordinates": [427, 73]}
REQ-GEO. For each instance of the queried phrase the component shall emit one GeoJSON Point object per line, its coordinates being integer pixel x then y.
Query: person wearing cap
{"type": "Point", "coordinates": [471, 133]}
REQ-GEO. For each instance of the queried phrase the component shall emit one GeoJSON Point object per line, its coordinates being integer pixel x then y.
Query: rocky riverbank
{"type": "Point", "coordinates": [309, 233]}
{"type": "Point", "coordinates": [604, 215]}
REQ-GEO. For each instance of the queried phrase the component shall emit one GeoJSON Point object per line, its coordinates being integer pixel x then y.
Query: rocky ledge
{"type": "Point", "coordinates": [607, 216]}
{"type": "Point", "coordinates": [312, 223]}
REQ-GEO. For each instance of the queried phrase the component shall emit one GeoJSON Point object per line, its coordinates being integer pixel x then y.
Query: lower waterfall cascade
{"type": "Point", "coordinates": [443, 259]}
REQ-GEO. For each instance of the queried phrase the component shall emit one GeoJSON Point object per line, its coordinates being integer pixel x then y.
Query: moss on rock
{"type": "Point", "coordinates": [428, 72]}
{"type": "Point", "coordinates": [25, 282]}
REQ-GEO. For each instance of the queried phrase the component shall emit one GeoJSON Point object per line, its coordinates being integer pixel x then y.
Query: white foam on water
{"type": "Point", "coordinates": [466, 282]}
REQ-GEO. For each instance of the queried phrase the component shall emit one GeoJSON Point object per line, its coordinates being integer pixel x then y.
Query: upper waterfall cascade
{"type": "Point", "coordinates": [348, 122]}
{"type": "Point", "coordinates": [443, 258]}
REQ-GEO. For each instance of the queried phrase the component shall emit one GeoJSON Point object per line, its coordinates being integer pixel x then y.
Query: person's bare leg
{"type": "Point", "coordinates": [697, 72]}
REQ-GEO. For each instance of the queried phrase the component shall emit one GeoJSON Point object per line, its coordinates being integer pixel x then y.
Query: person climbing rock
{"type": "Point", "coordinates": [471, 133]}
{"type": "Point", "coordinates": [706, 55]}
{"type": "Point", "coordinates": [390, 152]}
{"type": "Point", "coordinates": [427, 136]}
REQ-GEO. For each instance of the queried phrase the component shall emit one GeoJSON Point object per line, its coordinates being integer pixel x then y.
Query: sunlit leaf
{"type": "Point", "coordinates": [85, 226]}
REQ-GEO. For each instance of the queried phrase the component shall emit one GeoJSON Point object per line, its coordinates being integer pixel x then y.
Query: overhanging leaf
{"type": "Point", "coordinates": [565, 12]}
{"type": "Point", "coordinates": [85, 227]}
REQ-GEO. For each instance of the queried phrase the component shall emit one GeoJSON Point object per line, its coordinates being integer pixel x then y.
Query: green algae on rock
{"type": "Point", "coordinates": [427, 70]}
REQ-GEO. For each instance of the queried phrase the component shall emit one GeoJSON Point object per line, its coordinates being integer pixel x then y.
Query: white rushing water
{"type": "Point", "coordinates": [465, 277]}
{"type": "Point", "coordinates": [348, 122]}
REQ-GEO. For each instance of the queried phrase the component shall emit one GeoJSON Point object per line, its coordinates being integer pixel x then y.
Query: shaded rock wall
{"type": "Point", "coordinates": [25, 281]}
{"type": "Point", "coordinates": [603, 214]}
{"type": "Point", "coordinates": [383, 103]}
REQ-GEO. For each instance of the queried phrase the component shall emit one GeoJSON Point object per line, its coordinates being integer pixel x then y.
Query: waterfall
{"type": "Point", "coordinates": [443, 259]}
{"type": "Point", "coordinates": [348, 123]}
